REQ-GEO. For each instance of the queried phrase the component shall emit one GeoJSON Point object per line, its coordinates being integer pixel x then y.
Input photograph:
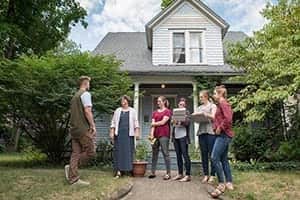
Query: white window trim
{"type": "Point", "coordinates": [187, 47]}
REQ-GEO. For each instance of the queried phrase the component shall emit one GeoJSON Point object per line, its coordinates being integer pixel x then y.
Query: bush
{"type": "Point", "coordinates": [35, 94]}
{"type": "Point", "coordinates": [266, 166]}
{"type": "Point", "coordinates": [250, 144]}
{"type": "Point", "coordinates": [104, 156]}
{"type": "Point", "coordinates": [288, 150]}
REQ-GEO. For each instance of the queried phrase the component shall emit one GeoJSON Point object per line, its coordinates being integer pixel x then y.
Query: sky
{"type": "Point", "coordinates": [131, 15]}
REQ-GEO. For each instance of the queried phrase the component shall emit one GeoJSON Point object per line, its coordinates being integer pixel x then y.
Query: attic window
{"type": "Point", "coordinates": [178, 48]}
{"type": "Point", "coordinates": [196, 47]}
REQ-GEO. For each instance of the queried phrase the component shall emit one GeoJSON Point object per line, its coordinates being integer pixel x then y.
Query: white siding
{"type": "Point", "coordinates": [187, 17]}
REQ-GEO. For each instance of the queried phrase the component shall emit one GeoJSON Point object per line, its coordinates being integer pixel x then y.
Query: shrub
{"type": "Point", "coordinates": [141, 151]}
{"type": "Point", "coordinates": [35, 94]}
{"type": "Point", "coordinates": [104, 156]}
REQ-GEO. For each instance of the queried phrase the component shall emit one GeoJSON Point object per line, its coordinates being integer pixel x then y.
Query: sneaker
{"type": "Point", "coordinates": [67, 172]}
{"type": "Point", "coordinates": [185, 179]}
{"type": "Point", "coordinates": [178, 177]}
{"type": "Point", "coordinates": [81, 182]}
{"type": "Point", "coordinates": [211, 180]}
{"type": "Point", "coordinates": [229, 186]}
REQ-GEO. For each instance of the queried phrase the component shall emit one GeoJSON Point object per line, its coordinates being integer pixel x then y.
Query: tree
{"type": "Point", "coordinates": [270, 60]}
{"type": "Point", "coordinates": [165, 3]}
{"type": "Point", "coordinates": [35, 94]}
{"type": "Point", "coordinates": [36, 26]}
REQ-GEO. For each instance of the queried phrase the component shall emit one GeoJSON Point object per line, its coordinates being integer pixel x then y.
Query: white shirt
{"type": "Point", "coordinates": [86, 99]}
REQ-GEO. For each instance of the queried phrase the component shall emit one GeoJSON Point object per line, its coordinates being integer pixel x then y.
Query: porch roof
{"type": "Point", "coordinates": [131, 49]}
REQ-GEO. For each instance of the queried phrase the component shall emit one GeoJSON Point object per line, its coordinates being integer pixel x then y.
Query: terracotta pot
{"type": "Point", "coordinates": [139, 168]}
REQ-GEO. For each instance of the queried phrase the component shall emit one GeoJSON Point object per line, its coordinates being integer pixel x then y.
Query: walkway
{"type": "Point", "coordinates": [158, 189]}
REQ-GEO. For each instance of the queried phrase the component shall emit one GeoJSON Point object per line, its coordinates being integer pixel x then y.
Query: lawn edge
{"type": "Point", "coordinates": [121, 192]}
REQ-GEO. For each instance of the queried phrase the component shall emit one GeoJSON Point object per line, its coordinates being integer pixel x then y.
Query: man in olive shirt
{"type": "Point", "coordinates": [82, 131]}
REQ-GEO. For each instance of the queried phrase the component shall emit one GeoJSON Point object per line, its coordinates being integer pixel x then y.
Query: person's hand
{"type": "Point", "coordinates": [93, 130]}
{"type": "Point", "coordinates": [111, 135]}
{"type": "Point", "coordinates": [218, 131]}
{"type": "Point", "coordinates": [153, 124]}
{"type": "Point", "coordinates": [137, 137]}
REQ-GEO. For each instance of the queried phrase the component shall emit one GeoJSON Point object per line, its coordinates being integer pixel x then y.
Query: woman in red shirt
{"type": "Point", "coordinates": [161, 131]}
{"type": "Point", "coordinates": [223, 129]}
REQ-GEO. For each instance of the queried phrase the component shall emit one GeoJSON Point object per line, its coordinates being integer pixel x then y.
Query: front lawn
{"type": "Point", "coordinates": [50, 184]}
{"type": "Point", "coordinates": [278, 185]}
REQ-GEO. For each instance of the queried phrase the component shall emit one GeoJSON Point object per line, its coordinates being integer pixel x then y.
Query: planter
{"type": "Point", "coordinates": [196, 168]}
{"type": "Point", "coordinates": [139, 168]}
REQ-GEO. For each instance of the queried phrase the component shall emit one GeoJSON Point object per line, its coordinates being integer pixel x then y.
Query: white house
{"type": "Point", "coordinates": [182, 42]}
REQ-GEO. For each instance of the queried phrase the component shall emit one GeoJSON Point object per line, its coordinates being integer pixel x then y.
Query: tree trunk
{"type": "Point", "coordinates": [17, 139]}
{"type": "Point", "coordinates": [10, 51]}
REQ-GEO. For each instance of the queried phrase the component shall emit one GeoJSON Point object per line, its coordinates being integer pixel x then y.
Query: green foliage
{"type": "Point", "coordinates": [194, 152]}
{"type": "Point", "coordinates": [104, 155]}
{"type": "Point", "coordinates": [2, 148]}
{"type": "Point", "coordinates": [35, 94]}
{"type": "Point", "coordinates": [141, 151]}
{"type": "Point", "coordinates": [266, 166]}
{"type": "Point", "coordinates": [34, 156]}
{"type": "Point", "coordinates": [288, 150]}
{"type": "Point", "coordinates": [209, 82]}
{"type": "Point", "coordinates": [33, 26]}
{"type": "Point", "coordinates": [270, 60]}
{"type": "Point", "coordinates": [165, 3]}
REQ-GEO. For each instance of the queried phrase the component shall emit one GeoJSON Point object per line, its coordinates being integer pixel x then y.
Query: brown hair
{"type": "Point", "coordinates": [82, 79]}
{"type": "Point", "coordinates": [205, 93]}
{"type": "Point", "coordinates": [182, 100]}
{"type": "Point", "coordinates": [221, 90]}
{"type": "Point", "coordinates": [127, 98]}
{"type": "Point", "coordinates": [165, 101]}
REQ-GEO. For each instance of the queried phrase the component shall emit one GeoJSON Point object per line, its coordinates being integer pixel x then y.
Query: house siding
{"type": "Point", "coordinates": [162, 36]}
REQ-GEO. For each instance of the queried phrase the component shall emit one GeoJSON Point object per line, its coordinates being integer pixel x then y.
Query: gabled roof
{"type": "Point", "coordinates": [175, 4]}
{"type": "Point", "coordinates": [131, 48]}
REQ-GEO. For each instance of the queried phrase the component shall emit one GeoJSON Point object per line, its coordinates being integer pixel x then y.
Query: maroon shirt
{"type": "Point", "coordinates": [223, 118]}
{"type": "Point", "coordinates": [164, 130]}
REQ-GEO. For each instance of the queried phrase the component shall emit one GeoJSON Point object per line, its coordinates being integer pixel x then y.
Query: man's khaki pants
{"type": "Point", "coordinates": [83, 149]}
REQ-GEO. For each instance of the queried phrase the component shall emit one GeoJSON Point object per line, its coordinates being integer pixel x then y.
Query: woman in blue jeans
{"type": "Point", "coordinates": [223, 129]}
{"type": "Point", "coordinates": [206, 134]}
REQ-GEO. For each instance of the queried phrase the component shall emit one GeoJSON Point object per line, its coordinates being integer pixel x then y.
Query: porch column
{"type": "Point", "coordinates": [136, 101]}
{"type": "Point", "coordinates": [195, 101]}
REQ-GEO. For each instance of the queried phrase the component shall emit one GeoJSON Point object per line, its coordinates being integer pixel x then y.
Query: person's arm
{"type": "Point", "coordinates": [136, 126]}
{"type": "Point", "coordinates": [227, 117]}
{"type": "Point", "coordinates": [113, 126]}
{"type": "Point", "coordinates": [152, 130]}
{"type": "Point", "coordinates": [212, 114]}
{"type": "Point", "coordinates": [162, 122]}
{"type": "Point", "coordinates": [89, 116]}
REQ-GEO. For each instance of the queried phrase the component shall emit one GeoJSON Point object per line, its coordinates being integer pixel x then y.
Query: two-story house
{"type": "Point", "coordinates": [181, 42]}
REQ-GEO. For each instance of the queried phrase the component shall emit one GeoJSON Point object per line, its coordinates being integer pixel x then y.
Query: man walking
{"type": "Point", "coordinates": [82, 131]}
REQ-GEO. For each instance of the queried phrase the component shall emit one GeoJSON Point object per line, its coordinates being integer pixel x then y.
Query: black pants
{"type": "Point", "coordinates": [182, 150]}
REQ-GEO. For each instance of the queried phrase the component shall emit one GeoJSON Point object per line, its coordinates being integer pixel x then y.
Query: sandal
{"type": "Point", "coordinates": [152, 176]}
{"type": "Point", "coordinates": [218, 191]}
{"type": "Point", "coordinates": [167, 177]}
{"type": "Point", "coordinates": [229, 186]}
{"type": "Point", "coordinates": [178, 177]}
{"type": "Point", "coordinates": [205, 179]}
{"type": "Point", "coordinates": [187, 178]}
{"type": "Point", "coordinates": [211, 180]}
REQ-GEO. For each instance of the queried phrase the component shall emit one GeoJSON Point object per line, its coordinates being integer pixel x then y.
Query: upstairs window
{"type": "Point", "coordinates": [179, 48]}
{"type": "Point", "coordinates": [196, 47]}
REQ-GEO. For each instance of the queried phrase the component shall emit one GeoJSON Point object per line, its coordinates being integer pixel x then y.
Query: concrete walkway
{"type": "Point", "coordinates": [159, 189]}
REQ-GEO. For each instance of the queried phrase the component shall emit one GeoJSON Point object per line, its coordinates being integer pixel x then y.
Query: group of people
{"type": "Point", "coordinates": [214, 134]}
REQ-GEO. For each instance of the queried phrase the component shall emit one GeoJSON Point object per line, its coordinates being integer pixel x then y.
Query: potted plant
{"type": "Point", "coordinates": [140, 163]}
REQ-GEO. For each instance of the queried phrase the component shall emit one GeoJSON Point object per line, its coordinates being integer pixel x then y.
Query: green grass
{"type": "Point", "coordinates": [50, 184]}
{"type": "Point", "coordinates": [22, 178]}
{"type": "Point", "coordinates": [275, 185]}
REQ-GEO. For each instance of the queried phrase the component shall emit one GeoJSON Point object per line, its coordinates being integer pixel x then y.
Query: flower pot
{"type": "Point", "coordinates": [139, 168]}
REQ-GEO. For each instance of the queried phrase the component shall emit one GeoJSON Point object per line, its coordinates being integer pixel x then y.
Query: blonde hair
{"type": "Point", "coordinates": [221, 90]}
{"type": "Point", "coordinates": [165, 101]}
{"type": "Point", "coordinates": [82, 79]}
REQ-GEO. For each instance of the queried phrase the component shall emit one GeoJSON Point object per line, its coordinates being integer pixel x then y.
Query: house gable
{"type": "Point", "coordinates": [186, 17]}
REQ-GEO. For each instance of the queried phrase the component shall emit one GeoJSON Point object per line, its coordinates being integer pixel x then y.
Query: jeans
{"type": "Point", "coordinates": [162, 142]}
{"type": "Point", "coordinates": [219, 158]}
{"type": "Point", "coordinates": [206, 143]}
{"type": "Point", "coordinates": [181, 148]}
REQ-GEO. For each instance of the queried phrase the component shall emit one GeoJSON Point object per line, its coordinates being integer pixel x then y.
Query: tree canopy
{"type": "Point", "coordinates": [36, 26]}
{"type": "Point", "coordinates": [165, 3]}
{"type": "Point", "coordinates": [270, 60]}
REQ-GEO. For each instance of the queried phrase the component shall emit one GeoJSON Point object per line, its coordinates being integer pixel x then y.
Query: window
{"type": "Point", "coordinates": [178, 48]}
{"type": "Point", "coordinates": [196, 49]}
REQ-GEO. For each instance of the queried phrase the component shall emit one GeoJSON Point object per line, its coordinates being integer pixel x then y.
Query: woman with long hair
{"type": "Point", "coordinates": [206, 134]}
{"type": "Point", "coordinates": [223, 129]}
{"type": "Point", "coordinates": [160, 130]}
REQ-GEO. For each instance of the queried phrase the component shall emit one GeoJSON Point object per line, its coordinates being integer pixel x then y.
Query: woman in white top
{"type": "Point", "coordinates": [206, 134]}
{"type": "Point", "coordinates": [124, 127]}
